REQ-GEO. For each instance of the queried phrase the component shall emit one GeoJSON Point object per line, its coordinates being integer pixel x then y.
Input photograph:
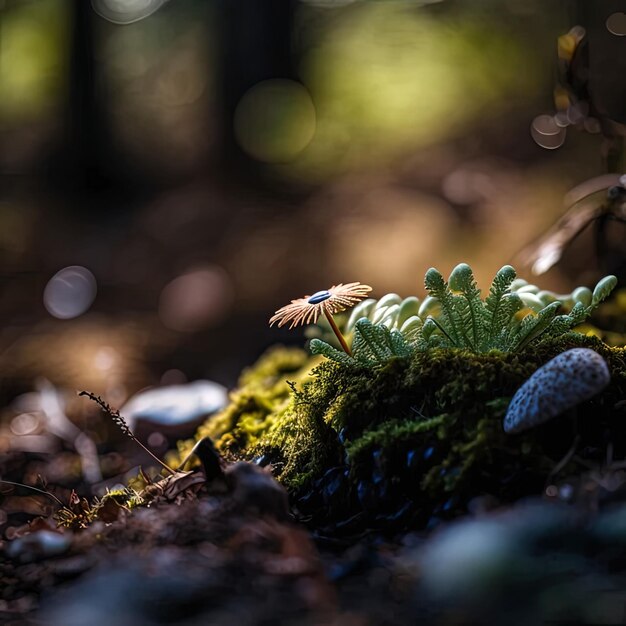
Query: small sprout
{"type": "Point", "coordinates": [78, 514]}
{"type": "Point", "coordinates": [334, 300]}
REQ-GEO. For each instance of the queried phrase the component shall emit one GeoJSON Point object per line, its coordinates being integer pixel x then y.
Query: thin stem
{"type": "Point", "coordinates": [443, 330]}
{"type": "Point", "coordinates": [154, 456]}
{"type": "Point", "coordinates": [121, 422]}
{"type": "Point", "coordinates": [45, 493]}
{"type": "Point", "coordinates": [337, 332]}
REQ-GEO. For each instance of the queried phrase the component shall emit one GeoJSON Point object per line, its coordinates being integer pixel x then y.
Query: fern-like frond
{"type": "Point", "coordinates": [453, 315]}
{"type": "Point", "coordinates": [318, 346]}
{"type": "Point", "coordinates": [372, 342]}
{"type": "Point", "coordinates": [533, 326]}
{"type": "Point", "coordinates": [362, 309]}
{"type": "Point", "coordinates": [441, 339]}
{"type": "Point", "coordinates": [399, 345]}
{"type": "Point", "coordinates": [564, 323]}
{"type": "Point", "coordinates": [586, 302]}
{"type": "Point", "coordinates": [497, 313]}
{"type": "Point", "coordinates": [469, 306]}
{"type": "Point", "coordinates": [372, 345]}
{"type": "Point", "coordinates": [448, 320]}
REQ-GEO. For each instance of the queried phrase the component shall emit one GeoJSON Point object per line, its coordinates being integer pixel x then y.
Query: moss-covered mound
{"type": "Point", "coordinates": [416, 438]}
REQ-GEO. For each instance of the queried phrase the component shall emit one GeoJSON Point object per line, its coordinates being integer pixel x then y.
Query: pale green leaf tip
{"type": "Point", "coordinates": [507, 271]}
{"type": "Point", "coordinates": [460, 277]}
{"type": "Point", "coordinates": [603, 289]}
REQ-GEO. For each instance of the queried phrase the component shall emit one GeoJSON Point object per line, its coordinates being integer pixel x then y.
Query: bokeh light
{"type": "Point", "coordinates": [548, 132]}
{"type": "Point", "coordinates": [328, 3]}
{"type": "Point", "coordinates": [340, 3]}
{"type": "Point", "coordinates": [616, 24]}
{"type": "Point", "coordinates": [125, 11]}
{"type": "Point", "coordinates": [390, 77]}
{"type": "Point", "coordinates": [465, 185]}
{"type": "Point", "coordinates": [33, 50]}
{"type": "Point", "coordinates": [406, 234]}
{"type": "Point", "coordinates": [197, 299]}
{"type": "Point", "coordinates": [173, 377]}
{"type": "Point", "coordinates": [275, 120]}
{"type": "Point", "coordinates": [25, 424]}
{"type": "Point", "coordinates": [105, 358]}
{"type": "Point", "coordinates": [70, 292]}
{"type": "Point", "coordinates": [158, 96]}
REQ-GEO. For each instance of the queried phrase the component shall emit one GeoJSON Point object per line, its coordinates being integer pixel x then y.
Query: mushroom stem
{"type": "Point", "coordinates": [337, 332]}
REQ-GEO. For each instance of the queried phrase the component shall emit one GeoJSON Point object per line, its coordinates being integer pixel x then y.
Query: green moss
{"type": "Point", "coordinates": [446, 400]}
{"type": "Point", "coordinates": [264, 417]}
{"type": "Point", "coordinates": [80, 512]}
{"type": "Point", "coordinates": [392, 433]}
{"type": "Point", "coordinates": [261, 397]}
{"type": "Point", "coordinates": [125, 497]}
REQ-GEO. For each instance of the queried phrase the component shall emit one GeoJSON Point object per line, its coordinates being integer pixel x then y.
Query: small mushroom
{"type": "Point", "coordinates": [564, 382]}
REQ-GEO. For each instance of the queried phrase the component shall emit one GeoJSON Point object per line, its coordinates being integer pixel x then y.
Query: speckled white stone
{"type": "Point", "coordinates": [567, 380]}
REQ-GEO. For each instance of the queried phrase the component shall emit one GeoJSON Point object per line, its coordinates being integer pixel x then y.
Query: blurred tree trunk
{"type": "Point", "coordinates": [607, 58]}
{"type": "Point", "coordinates": [255, 45]}
{"type": "Point", "coordinates": [85, 122]}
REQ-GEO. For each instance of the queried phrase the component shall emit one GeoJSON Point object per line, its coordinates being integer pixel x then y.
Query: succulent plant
{"type": "Point", "coordinates": [513, 316]}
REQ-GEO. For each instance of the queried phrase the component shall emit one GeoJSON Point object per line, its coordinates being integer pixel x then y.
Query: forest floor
{"type": "Point", "coordinates": [230, 552]}
{"type": "Point", "coordinates": [218, 554]}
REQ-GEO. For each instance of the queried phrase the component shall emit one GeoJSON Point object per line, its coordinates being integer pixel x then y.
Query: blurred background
{"type": "Point", "coordinates": [171, 172]}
